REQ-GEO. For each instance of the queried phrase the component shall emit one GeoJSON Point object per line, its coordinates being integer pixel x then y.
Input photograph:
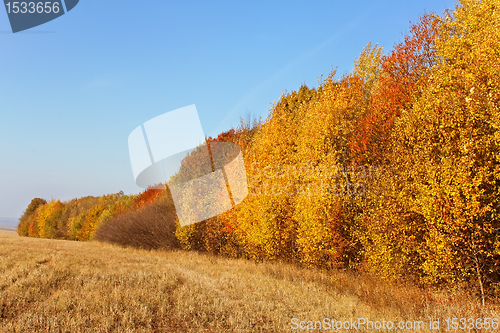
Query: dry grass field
{"type": "Point", "coordinates": [62, 286]}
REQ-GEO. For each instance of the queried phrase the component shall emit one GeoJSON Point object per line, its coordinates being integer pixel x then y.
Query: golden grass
{"type": "Point", "coordinates": [62, 286]}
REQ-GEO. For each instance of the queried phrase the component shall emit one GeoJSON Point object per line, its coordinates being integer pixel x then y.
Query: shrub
{"type": "Point", "coordinates": [151, 227]}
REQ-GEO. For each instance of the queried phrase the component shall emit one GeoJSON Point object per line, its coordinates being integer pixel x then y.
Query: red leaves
{"type": "Point", "coordinates": [146, 198]}
{"type": "Point", "coordinates": [224, 136]}
{"type": "Point", "coordinates": [403, 71]}
{"type": "Point", "coordinates": [227, 228]}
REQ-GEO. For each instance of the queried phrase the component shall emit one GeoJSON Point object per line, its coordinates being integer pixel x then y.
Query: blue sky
{"type": "Point", "coordinates": [73, 89]}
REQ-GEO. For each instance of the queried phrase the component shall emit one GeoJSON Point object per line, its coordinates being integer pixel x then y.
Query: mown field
{"type": "Point", "coordinates": [67, 286]}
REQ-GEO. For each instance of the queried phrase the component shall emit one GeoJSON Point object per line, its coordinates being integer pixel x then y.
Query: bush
{"type": "Point", "coordinates": [152, 227]}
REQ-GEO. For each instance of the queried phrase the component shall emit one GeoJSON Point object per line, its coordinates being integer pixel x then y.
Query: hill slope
{"type": "Point", "coordinates": [55, 285]}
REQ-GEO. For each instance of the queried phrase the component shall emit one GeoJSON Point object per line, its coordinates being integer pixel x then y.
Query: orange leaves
{"type": "Point", "coordinates": [227, 136]}
{"type": "Point", "coordinates": [146, 198]}
{"type": "Point", "coordinates": [403, 73]}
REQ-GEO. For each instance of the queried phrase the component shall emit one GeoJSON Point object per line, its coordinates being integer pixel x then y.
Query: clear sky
{"type": "Point", "coordinates": [73, 89]}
